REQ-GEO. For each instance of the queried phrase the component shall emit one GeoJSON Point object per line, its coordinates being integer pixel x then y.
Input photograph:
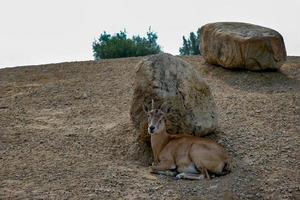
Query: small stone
{"type": "Point", "coordinates": [150, 177]}
{"type": "Point", "coordinates": [84, 96]}
{"type": "Point", "coordinates": [213, 187]}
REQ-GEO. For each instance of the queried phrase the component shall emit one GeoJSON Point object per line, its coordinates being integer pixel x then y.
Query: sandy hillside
{"type": "Point", "coordinates": [65, 133]}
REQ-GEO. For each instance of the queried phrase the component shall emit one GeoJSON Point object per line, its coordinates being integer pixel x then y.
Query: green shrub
{"type": "Point", "coordinates": [120, 46]}
{"type": "Point", "coordinates": [191, 45]}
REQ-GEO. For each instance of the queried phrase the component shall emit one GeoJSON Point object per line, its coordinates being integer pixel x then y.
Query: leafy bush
{"type": "Point", "coordinates": [119, 45]}
{"type": "Point", "coordinates": [191, 45]}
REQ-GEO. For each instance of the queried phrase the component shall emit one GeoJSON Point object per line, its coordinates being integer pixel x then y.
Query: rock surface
{"type": "Point", "coordinates": [166, 78]}
{"type": "Point", "coordinates": [241, 45]}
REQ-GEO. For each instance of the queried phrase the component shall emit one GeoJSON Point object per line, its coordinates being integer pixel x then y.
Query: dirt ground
{"type": "Point", "coordinates": [65, 133]}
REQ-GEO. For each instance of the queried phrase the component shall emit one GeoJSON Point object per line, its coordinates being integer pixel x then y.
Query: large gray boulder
{"type": "Point", "coordinates": [169, 79]}
{"type": "Point", "coordinates": [241, 45]}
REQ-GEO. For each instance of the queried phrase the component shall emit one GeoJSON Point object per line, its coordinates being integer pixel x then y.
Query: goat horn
{"type": "Point", "coordinates": [152, 102]}
{"type": "Point", "coordinates": [162, 105]}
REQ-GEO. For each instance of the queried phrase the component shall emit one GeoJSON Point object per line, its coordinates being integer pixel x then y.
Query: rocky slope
{"type": "Point", "coordinates": [65, 132]}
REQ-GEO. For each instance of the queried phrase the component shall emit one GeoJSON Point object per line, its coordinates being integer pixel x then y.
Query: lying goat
{"type": "Point", "coordinates": [183, 156]}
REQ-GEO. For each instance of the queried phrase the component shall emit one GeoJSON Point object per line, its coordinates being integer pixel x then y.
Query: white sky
{"type": "Point", "coordinates": [49, 31]}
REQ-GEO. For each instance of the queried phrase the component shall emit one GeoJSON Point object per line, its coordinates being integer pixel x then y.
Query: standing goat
{"type": "Point", "coordinates": [183, 156]}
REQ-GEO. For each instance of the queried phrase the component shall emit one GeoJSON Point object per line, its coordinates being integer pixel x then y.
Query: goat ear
{"type": "Point", "coordinates": [145, 108]}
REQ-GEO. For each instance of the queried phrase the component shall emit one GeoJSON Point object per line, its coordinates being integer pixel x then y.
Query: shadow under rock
{"type": "Point", "coordinates": [259, 81]}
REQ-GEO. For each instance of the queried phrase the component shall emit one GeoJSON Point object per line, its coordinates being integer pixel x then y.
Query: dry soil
{"type": "Point", "coordinates": [65, 133]}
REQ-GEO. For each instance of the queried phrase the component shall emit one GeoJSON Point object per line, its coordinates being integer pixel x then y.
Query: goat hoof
{"type": "Point", "coordinates": [179, 176]}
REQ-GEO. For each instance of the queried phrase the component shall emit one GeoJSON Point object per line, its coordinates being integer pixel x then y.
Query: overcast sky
{"type": "Point", "coordinates": [50, 31]}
